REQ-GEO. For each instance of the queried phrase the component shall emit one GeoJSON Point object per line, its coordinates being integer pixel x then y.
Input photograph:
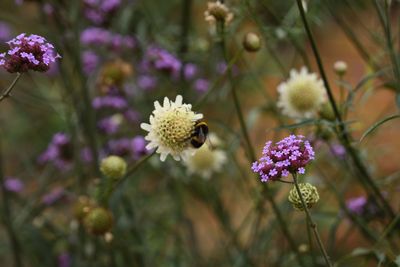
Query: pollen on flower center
{"type": "Point", "coordinates": [175, 128]}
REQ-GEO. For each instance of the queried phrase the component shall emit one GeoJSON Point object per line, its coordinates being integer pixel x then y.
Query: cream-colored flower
{"type": "Point", "coordinates": [170, 128]}
{"type": "Point", "coordinates": [217, 11]}
{"type": "Point", "coordinates": [206, 160]}
{"type": "Point", "coordinates": [302, 95]}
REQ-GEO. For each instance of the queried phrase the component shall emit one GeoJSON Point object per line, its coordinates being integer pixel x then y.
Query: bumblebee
{"type": "Point", "coordinates": [199, 135]}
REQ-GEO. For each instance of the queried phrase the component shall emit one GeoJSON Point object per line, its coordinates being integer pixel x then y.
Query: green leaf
{"type": "Point", "coordinates": [377, 124]}
{"type": "Point", "coordinates": [368, 77]}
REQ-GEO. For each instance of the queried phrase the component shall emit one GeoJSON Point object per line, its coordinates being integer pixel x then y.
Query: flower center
{"type": "Point", "coordinates": [175, 128]}
{"type": "Point", "coordinates": [304, 96]}
{"type": "Point", "coordinates": [203, 158]}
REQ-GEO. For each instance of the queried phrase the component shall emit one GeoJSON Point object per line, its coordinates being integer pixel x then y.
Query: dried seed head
{"type": "Point", "coordinates": [309, 194]}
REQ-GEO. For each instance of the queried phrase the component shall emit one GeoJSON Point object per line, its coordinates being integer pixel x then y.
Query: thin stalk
{"type": "Point", "coordinates": [343, 136]}
{"type": "Point", "coordinates": [385, 21]}
{"type": "Point", "coordinates": [183, 49]}
{"type": "Point", "coordinates": [310, 244]}
{"type": "Point", "coordinates": [215, 84]}
{"type": "Point", "coordinates": [348, 31]}
{"type": "Point", "coordinates": [7, 92]}
{"type": "Point", "coordinates": [266, 192]}
{"type": "Point", "coordinates": [108, 186]}
{"type": "Point", "coordinates": [15, 245]}
{"type": "Point", "coordinates": [311, 222]}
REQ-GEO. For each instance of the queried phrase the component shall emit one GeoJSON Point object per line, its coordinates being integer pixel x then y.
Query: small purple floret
{"type": "Point", "coordinates": [13, 184]}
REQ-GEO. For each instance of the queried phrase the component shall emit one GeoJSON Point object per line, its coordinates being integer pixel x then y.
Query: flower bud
{"type": "Point", "coordinates": [340, 67]}
{"type": "Point", "coordinates": [98, 221]}
{"type": "Point", "coordinates": [114, 74]}
{"type": "Point", "coordinates": [251, 42]}
{"type": "Point", "coordinates": [217, 11]}
{"type": "Point", "coordinates": [113, 167]}
{"type": "Point", "coordinates": [309, 194]}
{"type": "Point", "coordinates": [326, 112]}
{"type": "Point", "coordinates": [82, 207]}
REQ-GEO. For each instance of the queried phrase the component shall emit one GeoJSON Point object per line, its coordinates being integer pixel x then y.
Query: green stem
{"type": "Point", "coordinates": [343, 136]}
{"type": "Point", "coordinates": [183, 49]}
{"type": "Point", "coordinates": [15, 245]}
{"type": "Point", "coordinates": [385, 21]}
{"type": "Point", "coordinates": [266, 192]}
{"type": "Point", "coordinates": [7, 92]}
{"type": "Point", "coordinates": [108, 187]}
{"type": "Point", "coordinates": [312, 224]}
{"type": "Point", "coordinates": [219, 80]}
{"type": "Point", "coordinates": [310, 244]}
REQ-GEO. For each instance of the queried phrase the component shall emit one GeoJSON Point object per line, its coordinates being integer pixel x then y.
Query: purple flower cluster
{"type": "Point", "coordinates": [90, 60]}
{"type": "Point", "coordinates": [59, 152]}
{"type": "Point", "coordinates": [160, 60]}
{"type": "Point", "coordinates": [28, 53]}
{"type": "Point", "coordinates": [356, 205]}
{"type": "Point", "coordinates": [109, 125]}
{"type": "Point", "coordinates": [134, 147]}
{"type": "Point", "coordinates": [338, 150]}
{"type": "Point", "coordinates": [53, 196]}
{"type": "Point", "coordinates": [163, 61]}
{"type": "Point", "coordinates": [364, 207]}
{"type": "Point", "coordinates": [289, 155]}
{"type": "Point", "coordinates": [201, 85]}
{"type": "Point", "coordinates": [109, 101]}
{"type": "Point", "coordinates": [64, 260]}
{"type": "Point", "coordinates": [13, 184]}
{"type": "Point", "coordinates": [5, 32]}
{"type": "Point", "coordinates": [147, 82]}
{"type": "Point", "coordinates": [99, 11]}
{"type": "Point", "coordinates": [101, 37]}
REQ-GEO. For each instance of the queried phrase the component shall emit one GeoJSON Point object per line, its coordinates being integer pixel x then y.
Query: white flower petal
{"type": "Point", "coordinates": [145, 126]}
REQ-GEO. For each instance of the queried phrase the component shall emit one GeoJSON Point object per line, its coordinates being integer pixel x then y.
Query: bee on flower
{"type": "Point", "coordinates": [171, 128]}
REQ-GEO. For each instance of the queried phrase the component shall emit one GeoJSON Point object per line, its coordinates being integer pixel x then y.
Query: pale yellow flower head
{"type": "Point", "coordinates": [302, 95]}
{"type": "Point", "coordinates": [171, 126]}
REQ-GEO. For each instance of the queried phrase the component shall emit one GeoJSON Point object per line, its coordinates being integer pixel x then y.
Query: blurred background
{"type": "Point", "coordinates": [118, 57]}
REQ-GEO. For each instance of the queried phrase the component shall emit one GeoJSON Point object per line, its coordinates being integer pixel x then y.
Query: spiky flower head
{"type": "Point", "coordinates": [302, 95]}
{"type": "Point", "coordinates": [171, 126]}
{"type": "Point", "coordinates": [98, 221]}
{"type": "Point", "coordinates": [206, 160]}
{"type": "Point", "coordinates": [308, 192]}
{"type": "Point", "coordinates": [290, 155]}
{"type": "Point", "coordinates": [31, 52]}
{"type": "Point", "coordinates": [217, 11]}
{"type": "Point", "coordinates": [113, 167]}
